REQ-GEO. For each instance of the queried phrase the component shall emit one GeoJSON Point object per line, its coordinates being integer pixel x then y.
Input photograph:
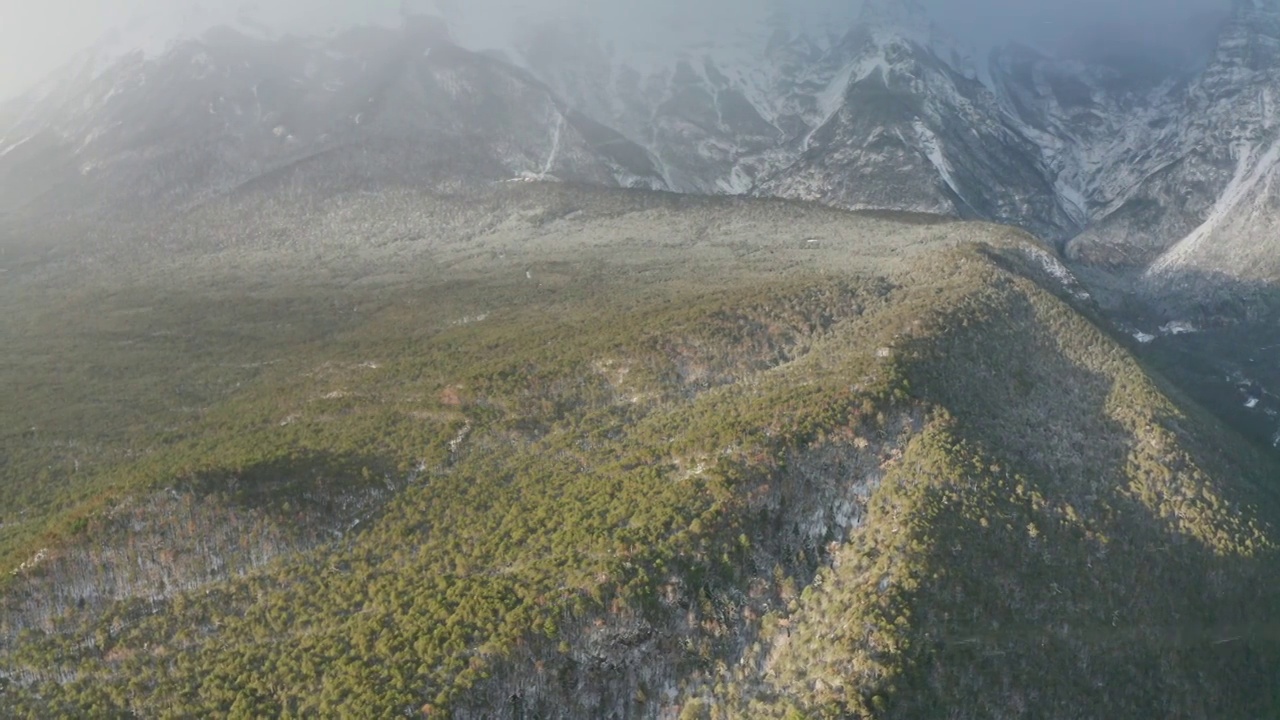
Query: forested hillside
{"type": "Point", "coordinates": [541, 451]}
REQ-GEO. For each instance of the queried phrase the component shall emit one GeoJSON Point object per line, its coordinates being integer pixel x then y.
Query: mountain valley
{"type": "Point", "coordinates": [842, 375]}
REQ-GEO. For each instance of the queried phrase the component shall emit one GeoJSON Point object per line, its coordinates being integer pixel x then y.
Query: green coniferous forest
{"type": "Point", "coordinates": [549, 452]}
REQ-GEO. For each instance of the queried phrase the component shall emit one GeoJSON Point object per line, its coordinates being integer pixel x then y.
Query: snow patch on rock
{"type": "Point", "coordinates": [1178, 327]}
{"type": "Point", "coordinates": [1060, 272]}
{"type": "Point", "coordinates": [933, 150]}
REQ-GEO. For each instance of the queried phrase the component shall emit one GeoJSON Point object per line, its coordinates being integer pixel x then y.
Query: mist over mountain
{"type": "Point", "coordinates": [36, 38]}
{"type": "Point", "coordinates": [699, 360]}
{"type": "Point", "coordinates": [1129, 137]}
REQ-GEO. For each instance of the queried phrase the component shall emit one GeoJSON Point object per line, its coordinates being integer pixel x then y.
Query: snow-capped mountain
{"type": "Point", "coordinates": [1214, 180]}
{"type": "Point", "coordinates": [890, 113]}
{"type": "Point", "coordinates": [1163, 174]}
{"type": "Point", "coordinates": [1155, 170]}
{"type": "Point", "coordinates": [366, 108]}
{"type": "Point", "coordinates": [1161, 180]}
{"type": "Point", "coordinates": [889, 120]}
{"type": "Point", "coordinates": [1096, 127]}
{"type": "Point", "coordinates": [1179, 146]}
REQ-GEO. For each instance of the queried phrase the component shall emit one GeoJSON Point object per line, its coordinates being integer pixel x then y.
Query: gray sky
{"type": "Point", "coordinates": [38, 36]}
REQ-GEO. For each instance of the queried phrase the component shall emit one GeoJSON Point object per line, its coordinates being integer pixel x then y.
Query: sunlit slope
{"type": "Point", "coordinates": [1063, 540]}
{"type": "Point", "coordinates": [544, 451]}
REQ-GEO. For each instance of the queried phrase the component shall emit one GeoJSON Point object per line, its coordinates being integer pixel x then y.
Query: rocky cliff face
{"type": "Point", "coordinates": [896, 125]}
{"type": "Point", "coordinates": [1200, 202]}
{"type": "Point", "coordinates": [890, 114]}
{"type": "Point", "coordinates": [1161, 171]}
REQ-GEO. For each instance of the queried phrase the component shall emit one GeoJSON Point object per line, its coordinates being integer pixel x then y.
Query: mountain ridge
{"type": "Point", "coordinates": [373, 375]}
{"type": "Point", "coordinates": [538, 447]}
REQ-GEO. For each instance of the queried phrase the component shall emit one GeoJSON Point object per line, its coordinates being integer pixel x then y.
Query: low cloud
{"type": "Point", "coordinates": [37, 37]}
